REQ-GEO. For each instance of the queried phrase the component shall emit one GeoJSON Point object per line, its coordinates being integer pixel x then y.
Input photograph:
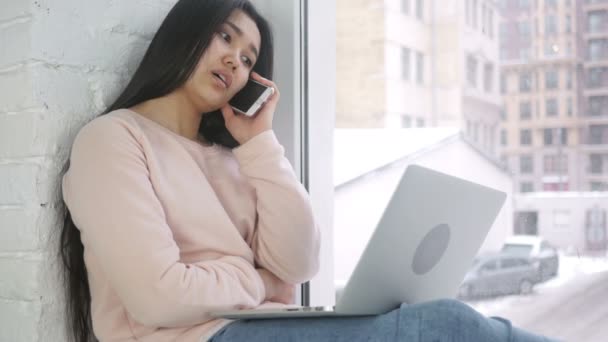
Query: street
{"type": "Point", "coordinates": [572, 308]}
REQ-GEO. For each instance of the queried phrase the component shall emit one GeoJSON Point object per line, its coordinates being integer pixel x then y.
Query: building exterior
{"type": "Point", "coordinates": [554, 80]}
{"type": "Point", "coordinates": [419, 63]}
{"type": "Point", "coordinates": [575, 222]}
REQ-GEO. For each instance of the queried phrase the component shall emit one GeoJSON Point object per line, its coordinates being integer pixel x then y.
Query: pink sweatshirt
{"type": "Point", "coordinates": [173, 229]}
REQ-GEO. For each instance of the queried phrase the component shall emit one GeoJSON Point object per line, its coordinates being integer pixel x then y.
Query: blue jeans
{"type": "Point", "coordinates": [436, 321]}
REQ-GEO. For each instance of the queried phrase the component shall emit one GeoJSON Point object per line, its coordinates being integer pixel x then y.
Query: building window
{"type": "Point", "coordinates": [526, 164]}
{"type": "Point", "coordinates": [595, 76]}
{"type": "Point", "coordinates": [503, 83]}
{"type": "Point", "coordinates": [405, 6]}
{"type": "Point", "coordinates": [551, 79]}
{"type": "Point", "coordinates": [491, 22]}
{"type": "Point", "coordinates": [525, 82]}
{"type": "Point", "coordinates": [568, 24]}
{"type": "Point", "coordinates": [526, 187]}
{"type": "Point", "coordinates": [472, 71]}
{"type": "Point", "coordinates": [524, 29]}
{"type": "Point", "coordinates": [596, 163]}
{"type": "Point", "coordinates": [550, 4]}
{"type": "Point", "coordinates": [405, 63]}
{"type": "Point", "coordinates": [598, 105]}
{"type": "Point", "coordinates": [525, 137]}
{"type": "Point", "coordinates": [569, 106]}
{"type": "Point", "coordinates": [555, 136]}
{"type": "Point", "coordinates": [598, 49]}
{"type": "Point", "coordinates": [598, 134]}
{"type": "Point", "coordinates": [596, 21]}
{"type": "Point", "coordinates": [419, 67]}
{"type": "Point", "coordinates": [420, 9]}
{"type": "Point", "coordinates": [550, 24]}
{"type": "Point", "coordinates": [420, 122]}
{"type": "Point", "coordinates": [551, 107]}
{"type": "Point", "coordinates": [551, 49]}
{"type": "Point", "coordinates": [569, 79]}
{"type": "Point", "coordinates": [525, 110]}
{"type": "Point", "coordinates": [406, 121]}
{"type": "Point", "coordinates": [598, 186]}
{"type": "Point", "coordinates": [474, 13]}
{"type": "Point", "coordinates": [467, 12]}
{"type": "Point", "coordinates": [488, 77]}
{"type": "Point", "coordinates": [524, 4]}
{"type": "Point", "coordinates": [503, 137]}
{"type": "Point", "coordinates": [553, 164]}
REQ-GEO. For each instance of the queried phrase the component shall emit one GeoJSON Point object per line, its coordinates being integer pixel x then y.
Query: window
{"type": "Point", "coordinates": [525, 110]}
{"type": "Point", "coordinates": [598, 105]}
{"type": "Point", "coordinates": [550, 4]}
{"type": "Point", "coordinates": [472, 71]}
{"type": "Point", "coordinates": [474, 13]}
{"type": "Point", "coordinates": [525, 82]}
{"type": "Point", "coordinates": [595, 76]}
{"type": "Point", "coordinates": [406, 121]}
{"type": "Point", "coordinates": [596, 163]}
{"type": "Point", "coordinates": [513, 125]}
{"type": "Point", "coordinates": [405, 63]}
{"type": "Point", "coordinates": [598, 134]}
{"type": "Point", "coordinates": [550, 24]}
{"type": "Point", "coordinates": [488, 77]}
{"type": "Point", "coordinates": [551, 49]}
{"type": "Point", "coordinates": [419, 67]}
{"type": "Point", "coordinates": [548, 136]}
{"type": "Point", "coordinates": [525, 137]}
{"type": "Point", "coordinates": [526, 187]}
{"type": "Point", "coordinates": [551, 107]}
{"type": "Point", "coordinates": [555, 164]}
{"type": "Point", "coordinates": [420, 122]}
{"type": "Point", "coordinates": [526, 164]}
{"type": "Point", "coordinates": [555, 136]}
{"type": "Point", "coordinates": [490, 22]}
{"type": "Point", "coordinates": [524, 29]}
{"type": "Point", "coordinates": [551, 79]}
{"type": "Point", "coordinates": [420, 9]}
{"type": "Point", "coordinates": [405, 6]}
{"type": "Point", "coordinates": [596, 21]}
{"type": "Point", "coordinates": [598, 186]}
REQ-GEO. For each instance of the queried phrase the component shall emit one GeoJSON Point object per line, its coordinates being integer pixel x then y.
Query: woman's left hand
{"type": "Point", "coordinates": [242, 127]}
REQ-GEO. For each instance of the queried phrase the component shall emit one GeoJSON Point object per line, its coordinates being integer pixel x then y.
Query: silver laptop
{"type": "Point", "coordinates": [423, 245]}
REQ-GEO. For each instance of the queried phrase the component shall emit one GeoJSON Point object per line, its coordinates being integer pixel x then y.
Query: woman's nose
{"type": "Point", "coordinates": [231, 61]}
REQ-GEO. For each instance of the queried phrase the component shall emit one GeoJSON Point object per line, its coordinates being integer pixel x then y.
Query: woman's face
{"type": "Point", "coordinates": [226, 64]}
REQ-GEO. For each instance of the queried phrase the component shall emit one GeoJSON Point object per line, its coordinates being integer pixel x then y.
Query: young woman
{"type": "Point", "coordinates": [178, 206]}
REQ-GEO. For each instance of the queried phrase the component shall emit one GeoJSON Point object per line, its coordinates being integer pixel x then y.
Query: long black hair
{"type": "Point", "coordinates": [173, 54]}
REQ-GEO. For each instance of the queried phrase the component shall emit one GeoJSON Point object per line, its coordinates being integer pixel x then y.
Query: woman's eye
{"type": "Point", "coordinates": [247, 61]}
{"type": "Point", "coordinates": [225, 36]}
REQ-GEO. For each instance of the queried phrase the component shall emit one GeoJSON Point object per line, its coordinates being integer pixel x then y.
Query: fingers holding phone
{"type": "Point", "coordinates": [251, 110]}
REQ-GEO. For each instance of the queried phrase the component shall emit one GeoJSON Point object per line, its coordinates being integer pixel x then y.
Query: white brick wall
{"type": "Point", "coordinates": [61, 62]}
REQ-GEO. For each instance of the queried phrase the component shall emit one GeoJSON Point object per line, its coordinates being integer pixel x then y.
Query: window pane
{"type": "Point", "coordinates": [528, 109]}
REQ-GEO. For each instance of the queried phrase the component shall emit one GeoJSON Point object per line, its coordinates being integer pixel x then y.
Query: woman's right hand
{"type": "Point", "coordinates": [276, 289]}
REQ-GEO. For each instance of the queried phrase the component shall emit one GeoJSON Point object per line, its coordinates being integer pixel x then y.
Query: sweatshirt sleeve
{"type": "Point", "coordinates": [112, 201]}
{"type": "Point", "coordinates": [286, 240]}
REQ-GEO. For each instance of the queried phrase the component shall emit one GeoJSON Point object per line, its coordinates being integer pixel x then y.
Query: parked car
{"type": "Point", "coordinates": [498, 274]}
{"type": "Point", "coordinates": [542, 254]}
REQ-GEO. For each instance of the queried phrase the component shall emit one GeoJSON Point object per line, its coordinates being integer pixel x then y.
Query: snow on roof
{"type": "Point", "coordinates": [360, 151]}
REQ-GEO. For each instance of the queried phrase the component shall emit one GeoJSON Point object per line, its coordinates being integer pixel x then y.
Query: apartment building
{"type": "Point", "coordinates": [554, 57]}
{"type": "Point", "coordinates": [419, 63]}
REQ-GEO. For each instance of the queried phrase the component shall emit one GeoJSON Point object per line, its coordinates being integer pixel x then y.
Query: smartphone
{"type": "Point", "coordinates": [251, 98]}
